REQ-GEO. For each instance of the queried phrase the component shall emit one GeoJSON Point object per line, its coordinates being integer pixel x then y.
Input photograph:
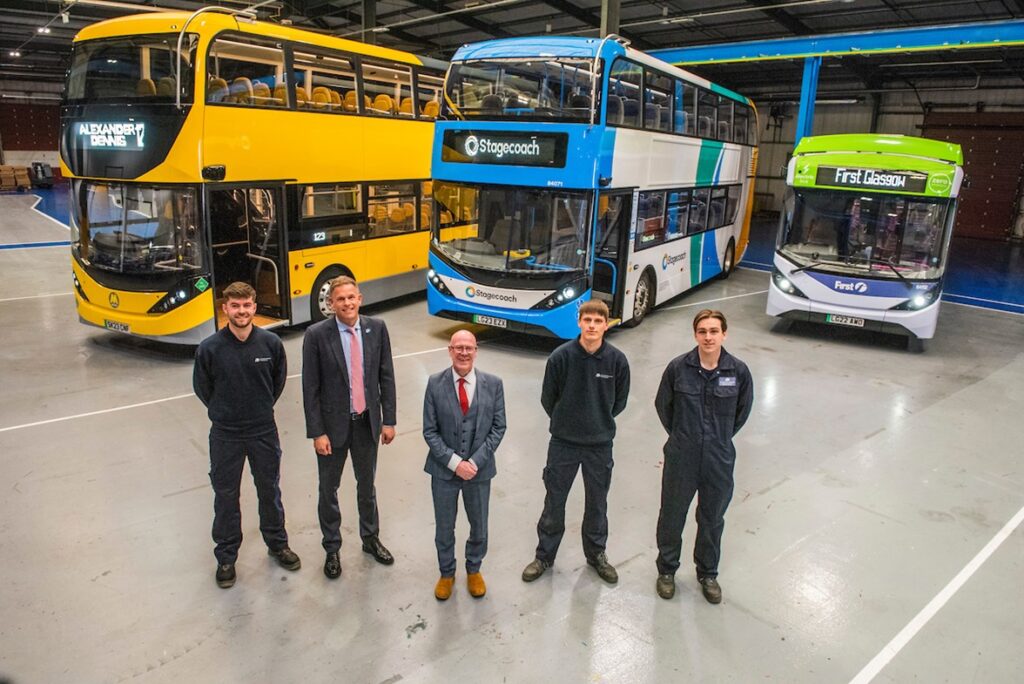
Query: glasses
{"type": "Point", "coordinates": [462, 350]}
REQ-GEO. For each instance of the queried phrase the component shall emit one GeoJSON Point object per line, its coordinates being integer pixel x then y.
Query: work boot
{"type": "Point", "coordinates": [226, 575]}
{"type": "Point", "coordinates": [535, 569]}
{"type": "Point", "coordinates": [712, 592]}
{"type": "Point", "coordinates": [605, 570]}
{"type": "Point", "coordinates": [666, 586]}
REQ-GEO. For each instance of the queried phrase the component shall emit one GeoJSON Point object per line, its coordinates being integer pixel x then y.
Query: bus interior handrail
{"type": "Point", "coordinates": [247, 12]}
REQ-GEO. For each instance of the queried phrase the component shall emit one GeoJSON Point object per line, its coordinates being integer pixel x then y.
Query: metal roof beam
{"type": "Point", "coordinates": [951, 37]}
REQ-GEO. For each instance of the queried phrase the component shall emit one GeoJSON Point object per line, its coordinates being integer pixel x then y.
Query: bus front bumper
{"type": "Point", "coordinates": [920, 323]}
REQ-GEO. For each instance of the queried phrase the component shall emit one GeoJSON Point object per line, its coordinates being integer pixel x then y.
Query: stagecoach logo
{"type": "Point", "coordinates": [112, 135]}
{"type": "Point", "coordinates": [114, 300]}
{"type": "Point", "coordinates": [499, 149]}
{"type": "Point", "coordinates": [842, 286]}
{"type": "Point", "coordinates": [667, 260]}
{"type": "Point", "coordinates": [475, 292]}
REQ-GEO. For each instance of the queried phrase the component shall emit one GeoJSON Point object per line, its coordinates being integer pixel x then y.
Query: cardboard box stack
{"type": "Point", "coordinates": [15, 177]}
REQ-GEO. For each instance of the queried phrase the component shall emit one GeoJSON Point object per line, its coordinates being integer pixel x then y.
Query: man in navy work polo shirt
{"type": "Point", "coordinates": [239, 374]}
{"type": "Point", "coordinates": [586, 384]}
{"type": "Point", "coordinates": [704, 399]}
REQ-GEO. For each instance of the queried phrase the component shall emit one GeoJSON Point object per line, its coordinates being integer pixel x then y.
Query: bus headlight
{"type": "Point", "coordinates": [78, 286]}
{"type": "Point", "coordinates": [182, 292]}
{"type": "Point", "coordinates": [919, 300]}
{"type": "Point", "coordinates": [562, 295]}
{"type": "Point", "coordinates": [785, 284]}
{"type": "Point", "coordinates": [438, 284]}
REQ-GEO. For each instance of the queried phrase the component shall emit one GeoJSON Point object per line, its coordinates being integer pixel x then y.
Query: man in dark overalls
{"type": "Point", "coordinates": [704, 399]}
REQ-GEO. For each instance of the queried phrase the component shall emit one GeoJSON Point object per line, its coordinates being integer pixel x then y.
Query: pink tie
{"type": "Point", "coordinates": [355, 352]}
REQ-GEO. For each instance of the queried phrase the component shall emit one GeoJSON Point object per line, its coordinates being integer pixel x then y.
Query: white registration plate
{"type": "Point", "coordinates": [115, 325]}
{"type": "Point", "coordinates": [845, 320]}
{"type": "Point", "coordinates": [490, 320]}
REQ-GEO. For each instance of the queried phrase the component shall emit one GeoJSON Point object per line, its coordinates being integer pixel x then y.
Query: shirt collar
{"type": "Point", "coordinates": [342, 327]}
{"type": "Point", "coordinates": [470, 376]}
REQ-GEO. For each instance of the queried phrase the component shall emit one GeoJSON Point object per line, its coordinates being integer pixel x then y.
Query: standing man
{"type": "Point", "coordinates": [348, 392]}
{"type": "Point", "coordinates": [239, 373]}
{"type": "Point", "coordinates": [586, 384]}
{"type": "Point", "coordinates": [463, 423]}
{"type": "Point", "coordinates": [704, 399]}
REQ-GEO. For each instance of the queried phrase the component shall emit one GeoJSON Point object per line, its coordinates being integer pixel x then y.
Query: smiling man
{"type": "Point", "coordinates": [586, 383]}
{"type": "Point", "coordinates": [239, 374]}
{"type": "Point", "coordinates": [704, 399]}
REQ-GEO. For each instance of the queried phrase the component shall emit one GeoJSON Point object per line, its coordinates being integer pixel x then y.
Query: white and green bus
{"type": "Point", "coordinates": [865, 232]}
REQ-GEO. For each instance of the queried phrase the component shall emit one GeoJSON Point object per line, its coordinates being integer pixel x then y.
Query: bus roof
{"type": "Point", "coordinates": [575, 47]}
{"type": "Point", "coordinates": [904, 145]}
{"type": "Point", "coordinates": [213, 22]}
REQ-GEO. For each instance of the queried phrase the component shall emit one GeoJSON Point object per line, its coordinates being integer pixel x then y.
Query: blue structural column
{"type": "Point", "coordinates": [808, 93]}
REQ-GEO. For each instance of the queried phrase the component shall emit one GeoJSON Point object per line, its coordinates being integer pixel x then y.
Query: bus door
{"type": "Point", "coordinates": [248, 243]}
{"type": "Point", "coordinates": [611, 248]}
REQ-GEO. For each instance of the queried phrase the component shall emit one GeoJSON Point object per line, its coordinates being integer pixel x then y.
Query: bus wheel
{"type": "Point", "coordinates": [319, 304]}
{"type": "Point", "coordinates": [729, 263]}
{"type": "Point", "coordinates": [644, 300]}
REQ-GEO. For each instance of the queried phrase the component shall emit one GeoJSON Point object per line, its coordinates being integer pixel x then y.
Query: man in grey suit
{"type": "Point", "coordinates": [463, 423]}
{"type": "Point", "coordinates": [348, 392]}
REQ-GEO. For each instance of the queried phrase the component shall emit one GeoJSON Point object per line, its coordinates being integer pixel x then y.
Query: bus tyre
{"type": "Point", "coordinates": [915, 345]}
{"type": "Point", "coordinates": [729, 262]}
{"type": "Point", "coordinates": [319, 297]}
{"type": "Point", "coordinates": [643, 302]}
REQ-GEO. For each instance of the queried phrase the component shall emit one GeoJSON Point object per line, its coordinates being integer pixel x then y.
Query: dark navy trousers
{"type": "Point", "coordinates": [363, 448]}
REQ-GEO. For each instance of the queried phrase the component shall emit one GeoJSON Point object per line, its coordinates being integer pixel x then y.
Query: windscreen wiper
{"type": "Point", "coordinates": [804, 268]}
{"type": "Point", "coordinates": [900, 275]}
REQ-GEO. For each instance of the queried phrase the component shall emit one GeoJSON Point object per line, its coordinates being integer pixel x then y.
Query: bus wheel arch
{"type": "Point", "coordinates": [318, 307]}
{"type": "Point", "coordinates": [644, 297]}
{"type": "Point", "coordinates": [729, 260]}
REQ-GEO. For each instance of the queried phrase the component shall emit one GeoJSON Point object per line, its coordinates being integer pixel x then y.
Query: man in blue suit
{"type": "Point", "coordinates": [348, 393]}
{"type": "Point", "coordinates": [463, 423]}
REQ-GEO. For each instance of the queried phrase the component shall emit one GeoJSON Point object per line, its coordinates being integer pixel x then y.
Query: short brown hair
{"type": "Point", "coordinates": [339, 281]}
{"type": "Point", "coordinates": [709, 313]}
{"type": "Point", "coordinates": [594, 306]}
{"type": "Point", "coordinates": [239, 290]}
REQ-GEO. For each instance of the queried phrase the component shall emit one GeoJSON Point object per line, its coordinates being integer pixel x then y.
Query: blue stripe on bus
{"type": "Point", "coordinates": [30, 245]}
{"type": "Point", "coordinates": [710, 268]}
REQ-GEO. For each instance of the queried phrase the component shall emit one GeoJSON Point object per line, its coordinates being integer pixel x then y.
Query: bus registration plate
{"type": "Point", "coordinates": [489, 320]}
{"type": "Point", "coordinates": [115, 325]}
{"type": "Point", "coordinates": [845, 320]}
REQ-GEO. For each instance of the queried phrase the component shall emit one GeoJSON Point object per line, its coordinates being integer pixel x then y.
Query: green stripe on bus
{"type": "Point", "coordinates": [715, 88]}
{"type": "Point", "coordinates": [707, 161]}
{"type": "Point", "coordinates": [696, 249]}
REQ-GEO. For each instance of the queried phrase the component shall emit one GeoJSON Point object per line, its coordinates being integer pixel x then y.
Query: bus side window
{"type": "Point", "coordinates": [386, 85]}
{"type": "Point", "coordinates": [657, 101]}
{"type": "Point", "coordinates": [677, 214]}
{"type": "Point", "coordinates": [707, 113]}
{"type": "Point", "coordinates": [725, 119]}
{"type": "Point", "coordinates": [329, 76]}
{"type": "Point", "coordinates": [650, 219]}
{"type": "Point", "coordinates": [698, 211]}
{"type": "Point", "coordinates": [250, 68]}
{"type": "Point", "coordinates": [624, 82]}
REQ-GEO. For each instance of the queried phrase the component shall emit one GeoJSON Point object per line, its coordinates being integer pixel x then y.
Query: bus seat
{"type": "Point", "coordinates": [739, 133]}
{"type": "Point", "coordinates": [335, 100]}
{"type": "Point", "coordinates": [652, 116]}
{"type": "Point", "coordinates": [145, 87]}
{"type": "Point", "coordinates": [281, 95]}
{"type": "Point", "coordinates": [723, 130]}
{"type": "Point", "coordinates": [383, 104]}
{"type": "Point", "coordinates": [261, 94]}
{"type": "Point", "coordinates": [630, 112]}
{"type": "Point", "coordinates": [406, 106]}
{"type": "Point", "coordinates": [165, 87]}
{"type": "Point", "coordinates": [492, 104]}
{"type": "Point", "coordinates": [704, 126]}
{"type": "Point", "coordinates": [301, 97]}
{"type": "Point", "coordinates": [216, 90]}
{"type": "Point", "coordinates": [579, 101]}
{"type": "Point", "coordinates": [614, 109]}
{"type": "Point", "coordinates": [500, 235]}
{"type": "Point", "coordinates": [321, 97]}
{"type": "Point", "coordinates": [431, 109]}
{"type": "Point", "coordinates": [397, 216]}
{"type": "Point", "coordinates": [409, 210]}
{"type": "Point", "coordinates": [350, 103]}
{"type": "Point", "coordinates": [241, 91]}
{"type": "Point", "coordinates": [680, 126]}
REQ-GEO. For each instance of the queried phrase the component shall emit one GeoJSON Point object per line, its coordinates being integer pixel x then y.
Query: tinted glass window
{"type": "Point", "coordinates": [241, 71]}
{"type": "Point", "coordinates": [624, 94]}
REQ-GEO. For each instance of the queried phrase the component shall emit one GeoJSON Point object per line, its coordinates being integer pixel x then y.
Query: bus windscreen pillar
{"type": "Point", "coordinates": [808, 93]}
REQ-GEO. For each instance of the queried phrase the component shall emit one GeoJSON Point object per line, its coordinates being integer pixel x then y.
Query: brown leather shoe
{"type": "Point", "coordinates": [443, 588]}
{"type": "Point", "coordinates": [477, 587]}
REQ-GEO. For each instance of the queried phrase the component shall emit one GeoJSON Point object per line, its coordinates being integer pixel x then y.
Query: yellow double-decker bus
{"type": "Point", "coordinates": [208, 148]}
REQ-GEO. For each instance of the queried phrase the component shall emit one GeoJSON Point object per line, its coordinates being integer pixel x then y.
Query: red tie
{"type": "Point", "coordinates": [463, 397]}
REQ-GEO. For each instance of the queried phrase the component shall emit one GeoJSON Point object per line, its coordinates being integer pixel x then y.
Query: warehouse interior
{"type": "Point", "coordinates": [875, 530]}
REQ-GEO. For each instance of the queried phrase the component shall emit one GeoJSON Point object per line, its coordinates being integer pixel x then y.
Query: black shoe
{"type": "Point", "coordinates": [666, 586]}
{"type": "Point", "coordinates": [226, 575]}
{"type": "Point", "coordinates": [287, 558]}
{"type": "Point", "coordinates": [372, 546]}
{"type": "Point", "coordinates": [709, 586]}
{"type": "Point", "coordinates": [535, 569]}
{"type": "Point", "coordinates": [332, 566]}
{"type": "Point", "coordinates": [605, 570]}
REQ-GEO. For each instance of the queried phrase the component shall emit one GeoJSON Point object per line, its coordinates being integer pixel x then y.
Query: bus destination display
{"type": "Point", "coordinates": [490, 147]}
{"type": "Point", "coordinates": [871, 179]}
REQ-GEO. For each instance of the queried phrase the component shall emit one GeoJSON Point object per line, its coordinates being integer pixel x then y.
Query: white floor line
{"type": "Point", "coordinates": [984, 308]}
{"type": "Point", "coordinates": [709, 301]}
{"type": "Point", "coordinates": [52, 294]}
{"type": "Point", "coordinates": [160, 401]}
{"type": "Point", "coordinates": [33, 207]}
{"type": "Point", "coordinates": [928, 612]}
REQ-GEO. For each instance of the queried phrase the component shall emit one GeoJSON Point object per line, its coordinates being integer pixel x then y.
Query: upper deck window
{"type": "Point", "coordinates": [536, 89]}
{"type": "Point", "coordinates": [248, 72]}
{"type": "Point", "coordinates": [624, 83]}
{"type": "Point", "coordinates": [130, 68]}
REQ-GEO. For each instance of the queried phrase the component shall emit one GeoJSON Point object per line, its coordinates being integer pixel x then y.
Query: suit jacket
{"type": "Point", "coordinates": [442, 423]}
{"type": "Point", "coordinates": [325, 393]}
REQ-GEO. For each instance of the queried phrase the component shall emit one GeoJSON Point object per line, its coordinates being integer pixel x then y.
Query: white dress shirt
{"type": "Point", "coordinates": [470, 379]}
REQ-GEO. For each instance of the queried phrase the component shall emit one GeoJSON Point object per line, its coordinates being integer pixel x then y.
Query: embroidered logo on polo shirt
{"type": "Point", "coordinates": [262, 359]}
{"type": "Point", "coordinates": [727, 381]}
{"type": "Point", "coordinates": [603, 376]}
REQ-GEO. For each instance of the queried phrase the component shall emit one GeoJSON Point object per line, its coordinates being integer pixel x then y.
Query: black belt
{"type": "Point", "coordinates": [359, 416]}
